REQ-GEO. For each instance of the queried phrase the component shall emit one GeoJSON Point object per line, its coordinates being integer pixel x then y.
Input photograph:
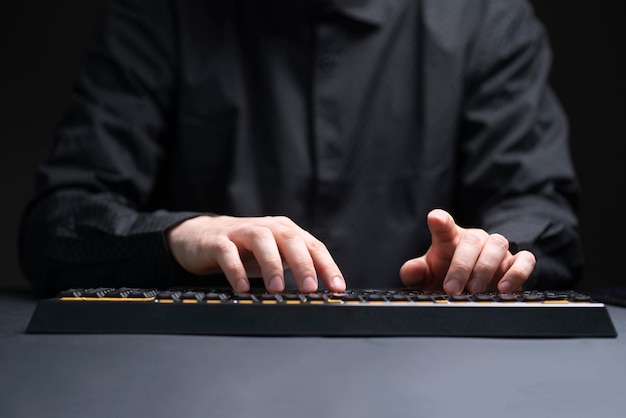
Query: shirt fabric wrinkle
{"type": "Point", "coordinates": [349, 123]}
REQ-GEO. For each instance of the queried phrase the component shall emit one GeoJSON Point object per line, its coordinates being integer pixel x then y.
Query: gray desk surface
{"type": "Point", "coordinates": [117, 376]}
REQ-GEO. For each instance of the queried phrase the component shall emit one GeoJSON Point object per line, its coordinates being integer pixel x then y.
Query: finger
{"type": "Point", "coordinates": [260, 241]}
{"type": "Point", "coordinates": [442, 227]}
{"type": "Point", "coordinates": [466, 254]}
{"type": "Point", "coordinates": [488, 263]}
{"type": "Point", "coordinates": [298, 258]}
{"type": "Point", "coordinates": [323, 263]}
{"type": "Point", "coordinates": [325, 266]}
{"type": "Point", "coordinates": [227, 255]}
{"type": "Point", "coordinates": [444, 236]}
{"type": "Point", "coordinates": [523, 264]}
{"type": "Point", "coordinates": [414, 273]}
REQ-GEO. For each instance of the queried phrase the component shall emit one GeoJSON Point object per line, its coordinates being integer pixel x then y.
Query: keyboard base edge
{"type": "Point", "coordinates": [54, 316]}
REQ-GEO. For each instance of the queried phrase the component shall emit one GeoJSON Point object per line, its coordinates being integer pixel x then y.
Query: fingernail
{"type": "Point", "coordinates": [241, 286]}
{"type": "Point", "coordinates": [475, 286]}
{"type": "Point", "coordinates": [440, 215]}
{"type": "Point", "coordinates": [505, 287]}
{"type": "Point", "coordinates": [338, 283]}
{"type": "Point", "coordinates": [275, 284]}
{"type": "Point", "coordinates": [452, 286]}
{"type": "Point", "coordinates": [309, 285]}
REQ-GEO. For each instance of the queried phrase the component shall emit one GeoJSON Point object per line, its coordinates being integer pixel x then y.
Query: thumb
{"type": "Point", "coordinates": [443, 230]}
{"type": "Point", "coordinates": [414, 273]}
{"type": "Point", "coordinates": [421, 271]}
{"type": "Point", "coordinates": [428, 270]}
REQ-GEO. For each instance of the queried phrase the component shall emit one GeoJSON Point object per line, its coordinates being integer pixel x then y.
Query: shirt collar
{"type": "Point", "coordinates": [373, 12]}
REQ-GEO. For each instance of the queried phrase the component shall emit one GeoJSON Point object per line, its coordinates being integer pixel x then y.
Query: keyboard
{"type": "Point", "coordinates": [363, 313]}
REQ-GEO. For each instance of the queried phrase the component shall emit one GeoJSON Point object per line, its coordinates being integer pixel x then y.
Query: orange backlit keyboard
{"type": "Point", "coordinates": [363, 312]}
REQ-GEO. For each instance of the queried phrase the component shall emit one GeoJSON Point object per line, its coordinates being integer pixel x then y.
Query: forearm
{"type": "Point", "coordinates": [92, 221]}
{"type": "Point", "coordinates": [547, 228]}
{"type": "Point", "coordinates": [74, 238]}
{"type": "Point", "coordinates": [522, 183]}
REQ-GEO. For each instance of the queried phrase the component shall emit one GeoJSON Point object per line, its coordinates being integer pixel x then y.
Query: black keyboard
{"type": "Point", "coordinates": [366, 312]}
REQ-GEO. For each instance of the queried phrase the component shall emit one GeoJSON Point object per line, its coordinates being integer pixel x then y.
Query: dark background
{"type": "Point", "coordinates": [41, 43]}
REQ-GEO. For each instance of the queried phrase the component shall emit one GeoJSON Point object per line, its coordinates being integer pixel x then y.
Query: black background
{"type": "Point", "coordinates": [41, 44]}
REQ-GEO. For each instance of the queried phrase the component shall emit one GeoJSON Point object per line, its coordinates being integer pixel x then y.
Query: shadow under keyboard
{"type": "Point", "coordinates": [366, 312]}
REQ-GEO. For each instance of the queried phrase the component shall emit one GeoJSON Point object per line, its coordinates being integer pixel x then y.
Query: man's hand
{"type": "Point", "coordinates": [253, 247]}
{"type": "Point", "coordinates": [470, 259]}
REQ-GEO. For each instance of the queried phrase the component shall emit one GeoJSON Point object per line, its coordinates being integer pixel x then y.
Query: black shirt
{"type": "Point", "coordinates": [353, 118]}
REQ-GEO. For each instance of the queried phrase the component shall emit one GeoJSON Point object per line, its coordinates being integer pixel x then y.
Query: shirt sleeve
{"type": "Point", "coordinates": [517, 177]}
{"type": "Point", "coordinates": [94, 219]}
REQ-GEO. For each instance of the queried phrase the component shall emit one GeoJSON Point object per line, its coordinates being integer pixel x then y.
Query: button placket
{"type": "Point", "coordinates": [326, 135]}
{"type": "Point", "coordinates": [329, 153]}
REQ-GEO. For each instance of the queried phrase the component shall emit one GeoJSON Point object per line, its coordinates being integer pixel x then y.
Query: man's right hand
{"type": "Point", "coordinates": [243, 247]}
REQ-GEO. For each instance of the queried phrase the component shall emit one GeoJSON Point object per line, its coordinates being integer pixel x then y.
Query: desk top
{"type": "Point", "coordinates": [198, 376]}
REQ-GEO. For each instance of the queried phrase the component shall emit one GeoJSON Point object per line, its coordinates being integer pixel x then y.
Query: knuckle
{"type": "Point", "coordinates": [528, 256]}
{"type": "Point", "coordinates": [462, 266]}
{"type": "Point", "coordinates": [474, 236]}
{"type": "Point", "coordinates": [522, 267]}
{"type": "Point", "coordinates": [483, 268]}
{"type": "Point", "coordinates": [499, 240]}
{"type": "Point", "coordinates": [301, 264]}
{"type": "Point", "coordinates": [317, 247]}
{"type": "Point", "coordinates": [288, 234]}
{"type": "Point", "coordinates": [260, 233]}
{"type": "Point", "coordinates": [218, 246]}
{"type": "Point", "coordinates": [516, 272]}
{"type": "Point", "coordinates": [281, 219]}
{"type": "Point", "coordinates": [231, 267]}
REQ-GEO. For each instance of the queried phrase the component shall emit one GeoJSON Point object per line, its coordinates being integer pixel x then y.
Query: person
{"type": "Point", "coordinates": [315, 144]}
